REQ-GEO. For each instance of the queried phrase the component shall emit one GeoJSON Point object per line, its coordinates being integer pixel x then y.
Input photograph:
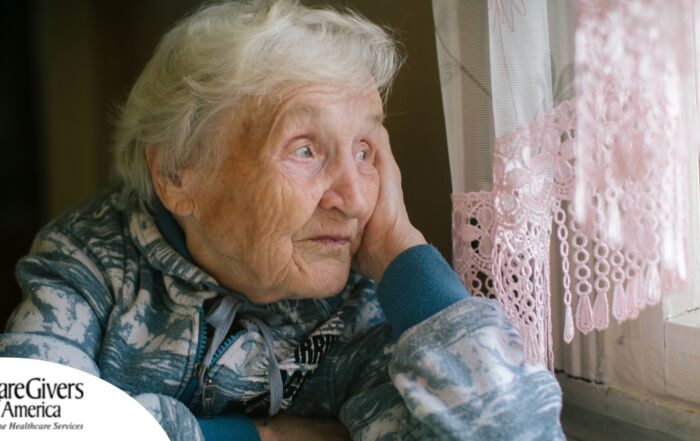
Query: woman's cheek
{"type": "Point", "coordinates": [299, 169]}
{"type": "Point", "coordinates": [366, 168]}
{"type": "Point", "coordinates": [301, 196]}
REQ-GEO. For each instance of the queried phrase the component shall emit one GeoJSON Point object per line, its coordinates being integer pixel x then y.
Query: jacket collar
{"type": "Point", "coordinates": [170, 256]}
{"type": "Point", "coordinates": [170, 229]}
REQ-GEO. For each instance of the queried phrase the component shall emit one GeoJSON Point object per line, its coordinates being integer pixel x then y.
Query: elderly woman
{"type": "Point", "coordinates": [231, 272]}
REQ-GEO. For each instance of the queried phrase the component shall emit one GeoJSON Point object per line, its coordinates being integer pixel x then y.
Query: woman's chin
{"type": "Point", "coordinates": [324, 282]}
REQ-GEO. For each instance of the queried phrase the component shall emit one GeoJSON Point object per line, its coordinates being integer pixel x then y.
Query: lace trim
{"type": "Point", "coordinates": [501, 239]}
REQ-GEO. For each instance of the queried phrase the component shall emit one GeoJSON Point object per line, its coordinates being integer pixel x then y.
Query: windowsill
{"type": "Point", "coordinates": [595, 412]}
{"type": "Point", "coordinates": [670, 411]}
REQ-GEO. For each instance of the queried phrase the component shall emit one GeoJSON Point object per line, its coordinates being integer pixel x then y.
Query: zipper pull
{"type": "Point", "coordinates": [199, 370]}
{"type": "Point", "coordinates": [208, 398]}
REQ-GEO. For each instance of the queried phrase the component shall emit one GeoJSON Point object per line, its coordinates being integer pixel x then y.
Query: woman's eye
{"type": "Point", "coordinates": [303, 152]}
{"type": "Point", "coordinates": [362, 155]}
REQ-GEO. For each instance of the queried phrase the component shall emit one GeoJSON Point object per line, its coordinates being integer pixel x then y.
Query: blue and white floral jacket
{"type": "Point", "coordinates": [414, 358]}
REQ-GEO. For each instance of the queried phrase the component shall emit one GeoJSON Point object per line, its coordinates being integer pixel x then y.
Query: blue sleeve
{"type": "Point", "coordinates": [417, 284]}
{"type": "Point", "coordinates": [445, 336]}
{"type": "Point", "coordinates": [236, 427]}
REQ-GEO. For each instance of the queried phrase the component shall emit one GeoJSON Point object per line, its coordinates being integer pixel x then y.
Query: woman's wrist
{"type": "Point", "coordinates": [393, 248]}
{"type": "Point", "coordinates": [418, 284]}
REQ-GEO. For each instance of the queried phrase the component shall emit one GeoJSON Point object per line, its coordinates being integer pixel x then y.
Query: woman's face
{"type": "Point", "coordinates": [285, 214]}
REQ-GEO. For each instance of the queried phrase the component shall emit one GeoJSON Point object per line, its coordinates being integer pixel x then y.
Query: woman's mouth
{"type": "Point", "coordinates": [332, 240]}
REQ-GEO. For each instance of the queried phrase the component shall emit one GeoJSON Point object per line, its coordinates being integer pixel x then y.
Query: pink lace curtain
{"type": "Point", "coordinates": [582, 116]}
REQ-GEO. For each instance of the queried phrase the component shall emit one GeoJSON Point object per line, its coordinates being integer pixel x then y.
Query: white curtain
{"type": "Point", "coordinates": [551, 112]}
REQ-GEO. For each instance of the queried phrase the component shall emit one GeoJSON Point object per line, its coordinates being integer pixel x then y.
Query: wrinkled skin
{"type": "Point", "coordinates": [298, 196]}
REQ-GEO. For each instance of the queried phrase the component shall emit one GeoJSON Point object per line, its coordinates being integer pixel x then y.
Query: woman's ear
{"type": "Point", "coordinates": [172, 191]}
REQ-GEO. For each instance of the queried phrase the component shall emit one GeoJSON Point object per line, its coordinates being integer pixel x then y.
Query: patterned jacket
{"type": "Point", "coordinates": [104, 292]}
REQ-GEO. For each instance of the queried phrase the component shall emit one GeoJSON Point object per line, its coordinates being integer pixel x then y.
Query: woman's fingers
{"type": "Point", "coordinates": [291, 428]}
{"type": "Point", "coordinates": [389, 230]}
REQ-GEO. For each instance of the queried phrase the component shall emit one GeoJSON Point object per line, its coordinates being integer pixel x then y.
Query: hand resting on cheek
{"type": "Point", "coordinates": [388, 231]}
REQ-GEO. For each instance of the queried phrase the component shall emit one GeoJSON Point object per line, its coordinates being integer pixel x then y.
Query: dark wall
{"type": "Point", "coordinates": [20, 180]}
{"type": "Point", "coordinates": [66, 70]}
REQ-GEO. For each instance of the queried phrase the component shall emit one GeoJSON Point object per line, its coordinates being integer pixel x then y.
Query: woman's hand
{"type": "Point", "coordinates": [389, 231]}
{"type": "Point", "coordinates": [290, 428]}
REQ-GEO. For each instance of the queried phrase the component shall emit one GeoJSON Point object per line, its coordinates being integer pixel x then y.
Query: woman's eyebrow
{"type": "Point", "coordinates": [293, 114]}
{"type": "Point", "coordinates": [299, 111]}
{"type": "Point", "coordinates": [302, 111]}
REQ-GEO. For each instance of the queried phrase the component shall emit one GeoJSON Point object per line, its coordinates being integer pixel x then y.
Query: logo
{"type": "Point", "coordinates": [36, 390]}
{"type": "Point", "coordinates": [42, 400]}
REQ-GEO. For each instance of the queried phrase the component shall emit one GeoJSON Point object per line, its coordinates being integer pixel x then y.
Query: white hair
{"type": "Point", "coordinates": [208, 63]}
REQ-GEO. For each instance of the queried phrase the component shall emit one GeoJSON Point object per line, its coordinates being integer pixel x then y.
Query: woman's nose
{"type": "Point", "coordinates": [346, 191]}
